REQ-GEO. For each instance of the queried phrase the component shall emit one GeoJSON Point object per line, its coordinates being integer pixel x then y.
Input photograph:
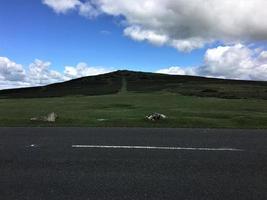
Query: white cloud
{"type": "Point", "coordinates": [138, 34]}
{"type": "Point", "coordinates": [173, 71]}
{"type": "Point", "coordinates": [82, 69]}
{"type": "Point", "coordinates": [187, 45]}
{"type": "Point", "coordinates": [85, 9]}
{"type": "Point", "coordinates": [88, 10]}
{"type": "Point", "coordinates": [191, 24]}
{"type": "Point", "coordinates": [235, 62]}
{"type": "Point", "coordinates": [182, 24]}
{"type": "Point", "coordinates": [13, 84]}
{"type": "Point", "coordinates": [62, 6]}
{"type": "Point", "coordinates": [231, 62]}
{"type": "Point", "coordinates": [40, 74]}
{"type": "Point", "coordinates": [13, 75]}
{"type": "Point", "coordinates": [11, 71]}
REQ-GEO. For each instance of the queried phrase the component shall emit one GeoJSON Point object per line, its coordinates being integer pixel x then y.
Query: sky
{"type": "Point", "coordinates": [47, 41]}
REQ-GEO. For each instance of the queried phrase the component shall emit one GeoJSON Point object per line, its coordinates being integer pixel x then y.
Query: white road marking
{"type": "Point", "coordinates": [33, 146]}
{"type": "Point", "coordinates": [155, 148]}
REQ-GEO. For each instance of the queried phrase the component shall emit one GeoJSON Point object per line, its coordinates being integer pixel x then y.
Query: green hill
{"type": "Point", "coordinates": [124, 98]}
{"type": "Point", "coordinates": [141, 82]}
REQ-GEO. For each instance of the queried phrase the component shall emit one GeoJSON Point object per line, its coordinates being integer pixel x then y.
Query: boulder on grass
{"type": "Point", "coordinates": [156, 117]}
{"type": "Point", "coordinates": [51, 117]}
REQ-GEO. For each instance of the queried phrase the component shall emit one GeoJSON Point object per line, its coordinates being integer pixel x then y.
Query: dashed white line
{"type": "Point", "coordinates": [156, 148]}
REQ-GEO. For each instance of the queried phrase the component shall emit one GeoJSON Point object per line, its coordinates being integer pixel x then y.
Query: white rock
{"type": "Point", "coordinates": [51, 117]}
{"type": "Point", "coordinates": [156, 116]}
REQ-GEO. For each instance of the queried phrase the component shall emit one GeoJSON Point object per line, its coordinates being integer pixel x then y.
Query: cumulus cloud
{"type": "Point", "coordinates": [182, 24]}
{"type": "Point", "coordinates": [88, 10]}
{"type": "Point", "coordinates": [11, 71]}
{"type": "Point", "coordinates": [174, 71]}
{"type": "Point", "coordinates": [138, 34]}
{"type": "Point", "coordinates": [13, 84]}
{"type": "Point", "coordinates": [82, 69]}
{"type": "Point", "coordinates": [187, 45]}
{"type": "Point", "coordinates": [40, 74]}
{"type": "Point", "coordinates": [231, 62]}
{"type": "Point", "coordinates": [85, 9]}
{"type": "Point", "coordinates": [62, 6]}
{"type": "Point", "coordinates": [13, 75]}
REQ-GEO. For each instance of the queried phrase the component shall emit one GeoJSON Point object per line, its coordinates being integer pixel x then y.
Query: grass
{"type": "Point", "coordinates": [128, 109]}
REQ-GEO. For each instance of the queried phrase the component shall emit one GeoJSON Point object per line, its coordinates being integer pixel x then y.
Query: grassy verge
{"type": "Point", "coordinates": [129, 110]}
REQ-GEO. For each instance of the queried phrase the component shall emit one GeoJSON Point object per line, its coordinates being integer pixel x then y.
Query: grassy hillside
{"type": "Point", "coordinates": [113, 83]}
{"type": "Point", "coordinates": [92, 85]}
{"type": "Point", "coordinates": [123, 99]}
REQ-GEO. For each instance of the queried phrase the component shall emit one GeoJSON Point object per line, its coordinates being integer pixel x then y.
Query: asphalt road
{"type": "Point", "coordinates": [180, 164]}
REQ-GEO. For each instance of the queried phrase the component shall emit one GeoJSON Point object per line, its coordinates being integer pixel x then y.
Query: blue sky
{"type": "Point", "coordinates": [32, 30]}
{"type": "Point", "coordinates": [55, 40]}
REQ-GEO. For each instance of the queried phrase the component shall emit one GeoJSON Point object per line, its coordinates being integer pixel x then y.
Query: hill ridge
{"type": "Point", "coordinates": [123, 81]}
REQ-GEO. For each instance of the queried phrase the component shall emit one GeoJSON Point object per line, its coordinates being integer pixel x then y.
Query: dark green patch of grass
{"type": "Point", "coordinates": [117, 106]}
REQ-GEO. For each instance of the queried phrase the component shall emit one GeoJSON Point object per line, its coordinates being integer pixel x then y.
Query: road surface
{"type": "Point", "coordinates": [121, 163]}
